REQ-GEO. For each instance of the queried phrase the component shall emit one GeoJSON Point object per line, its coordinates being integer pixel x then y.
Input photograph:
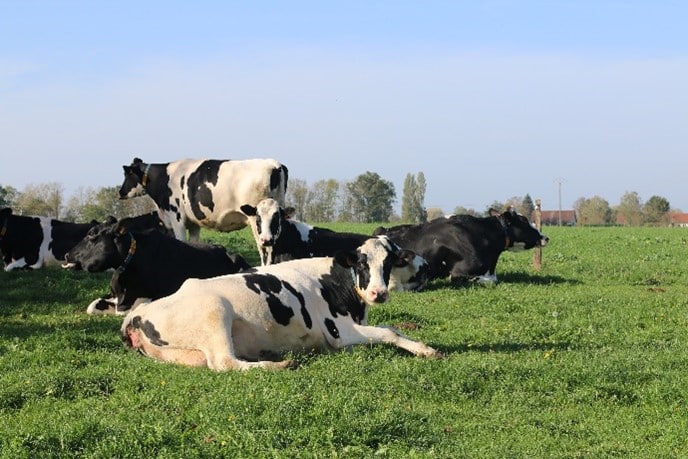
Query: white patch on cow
{"type": "Point", "coordinates": [112, 306]}
{"type": "Point", "coordinates": [304, 229]}
{"type": "Point", "coordinates": [136, 191]}
{"type": "Point", "coordinates": [400, 278]}
{"type": "Point", "coordinates": [486, 278]}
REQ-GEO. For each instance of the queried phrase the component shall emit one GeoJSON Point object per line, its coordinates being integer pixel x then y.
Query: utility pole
{"type": "Point", "coordinates": [559, 181]}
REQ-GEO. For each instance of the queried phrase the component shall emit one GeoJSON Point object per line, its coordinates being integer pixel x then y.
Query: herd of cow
{"type": "Point", "coordinates": [200, 305]}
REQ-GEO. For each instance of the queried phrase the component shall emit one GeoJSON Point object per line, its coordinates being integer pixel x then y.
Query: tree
{"type": "Point", "coordinates": [460, 210]}
{"type": "Point", "coordinates": [297, 197]}
{"type": "Point", "coordinates": [413, 199]}
{"type": "Point", "coordinates": [371, 198]}
{"type": "Point", "coordinates": [97, 204]}
{"type": "Point", "coordinates": [322, 201]}
{"type": "Point", "coordinates": [8, 194]}
{"type": "Point", "coordinates": [656, 210]}
{"type": "Point", "coordinates": [407, 199]}
{"type": "Point", "coordinates": [434, 213]}
{"type": "Point", "coordinates": [496, 205]}
{"type": "Point", "coordinates": [593, 211]}
{"type": "Point", "coordinates": [629, 211]}
{"type": "Point", "coordinates": [43, 199]}
{"type": "Point", "coordinates": [527, 206]}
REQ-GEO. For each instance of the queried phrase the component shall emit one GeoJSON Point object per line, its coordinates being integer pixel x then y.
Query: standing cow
{"type": "Point", "coordinates": [35, 241]}
{"type": "Point", "coordinates": [464, 247]}
{"type": "Point", "coordinates": [232, 322]}
{"type": "Point", "coordinates": [207, 193]}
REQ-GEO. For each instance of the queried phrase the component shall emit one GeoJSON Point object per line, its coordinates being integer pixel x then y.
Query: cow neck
{"type": "Point", "coordinates": [3, 230]}
{"type": "Point", "coordinates": [505, 228]}
{"type": "Point", "coordinates": [130, 254]}
{"type": "Point", "coordinates": [144, 179]}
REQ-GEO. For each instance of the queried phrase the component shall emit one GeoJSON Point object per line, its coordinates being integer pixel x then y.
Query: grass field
{"type": "Point", "coordinates": [584, 359]}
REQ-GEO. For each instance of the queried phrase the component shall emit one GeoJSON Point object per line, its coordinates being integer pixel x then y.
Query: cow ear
{"type": "Point", "coordinates": [127, 170]}
{"type": "Point", "coordinates": [249, 210]}
{"type": "Point", "coordinates": [289, 212]}
{"type": "Point", "coordinates": [493, 212]}
{"type": "Point", "coordinates": [404, 258]}
{"type": "Point", "coordinates": [346, 259]}
{"type": "Point", "coordinates": [136, 161]}
{"type": "Point", "coordinates": [121, 229]}
{"type": "Point", "coordinates": [110, 220]}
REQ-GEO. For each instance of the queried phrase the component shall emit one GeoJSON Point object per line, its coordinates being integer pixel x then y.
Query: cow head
{"type": "Point", "coordinates": [371, 266]}
{"type": "Point", "coordinates": [135, 177]}
{"type": "Point", "coordinates": [102, 248]}
{"type": "Point", "coordinates": [520, 233]}
{"type": "Point", "coordinates": [267, 217]}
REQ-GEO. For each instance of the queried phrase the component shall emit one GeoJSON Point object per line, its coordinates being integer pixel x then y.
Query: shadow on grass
{"type": "Point", "coordinates": [518, 277]}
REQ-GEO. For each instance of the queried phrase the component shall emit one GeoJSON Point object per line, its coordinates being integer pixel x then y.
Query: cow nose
{"type": "Point", "coordinates": [266, 242]}
{"type": "Point", "coordinates": [378, 295]}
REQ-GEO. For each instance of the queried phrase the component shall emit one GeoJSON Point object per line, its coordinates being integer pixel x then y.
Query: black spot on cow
{"type": "Point", "coordinates": [199, 192]}
{"type": "Point", "coordinates": [331, 328]}
{"type": "Point", "coordinates": [276, 178]}
{"type": "Point", "coordinates": [149, 330]}
{"type": "Point", "coordinates": [182, 182]}
{"type": "Point", "coordinates": [299, 296]}
{"type": "Point", "coordinates": [270, 285]}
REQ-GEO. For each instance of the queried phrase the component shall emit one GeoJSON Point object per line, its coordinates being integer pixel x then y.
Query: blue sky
{"type": "Point", "coordinates": [489, 99]}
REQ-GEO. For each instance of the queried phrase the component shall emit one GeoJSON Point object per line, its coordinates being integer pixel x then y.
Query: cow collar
{"type": "Point", "coordinates": [357, 289]}
{"type": "Point", "coordinates": [130, 255]}
{"type": "Point", "coordinates": [144, 179]}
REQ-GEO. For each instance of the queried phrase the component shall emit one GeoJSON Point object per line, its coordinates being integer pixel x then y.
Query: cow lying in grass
{"type": "Point", "coordinates": [148, 264]}
{"type": "Point", "coordinates": [232, 322]}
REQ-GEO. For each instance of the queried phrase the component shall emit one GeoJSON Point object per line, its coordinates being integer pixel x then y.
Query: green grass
{"type": "Point", "coordinates": [583, 359]}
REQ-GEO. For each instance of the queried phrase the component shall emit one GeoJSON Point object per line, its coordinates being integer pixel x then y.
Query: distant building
{"type": "Point", "coordinates": [551, 217]}
{"type": "Point", "coordinates": [677, 219]}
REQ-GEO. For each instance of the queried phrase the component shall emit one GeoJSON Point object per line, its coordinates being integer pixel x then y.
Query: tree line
{"type": "Point", "coordinates": [366, 199]}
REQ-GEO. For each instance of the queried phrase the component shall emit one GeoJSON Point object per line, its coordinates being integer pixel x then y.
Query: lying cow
{"type": "Point", "coordinates": [191, 194]}
{"type": "Point", "coordinates": [232, 322]}
{"type": "Point", "coordinates": [34, 241]}
{"type": "Point", "coordinates": [291, 239]}
{"type": "Point", "coordinates": [148, 264]}
{"type": "Point", "coordinates": [464, 247]}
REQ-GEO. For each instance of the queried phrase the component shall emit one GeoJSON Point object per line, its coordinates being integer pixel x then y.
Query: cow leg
{"type": "Point", "coordinates": [366, 334]}
{"type": "Point", "coordinates": [195, 233]}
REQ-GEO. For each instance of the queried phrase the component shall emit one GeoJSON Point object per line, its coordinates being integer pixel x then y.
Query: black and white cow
{"type": "Point", "coordinates": [34, 241]}
{"type": "Point", "coordinates": [281, 238]}
{"type": "Point", "coordinates": [207, 193]}
{"type": "Point", "coordinates": [233, 322]}
{"type": "Point", "coordinates": [464, 247]}
{"type": "Point", "coordinates": [148, 264]}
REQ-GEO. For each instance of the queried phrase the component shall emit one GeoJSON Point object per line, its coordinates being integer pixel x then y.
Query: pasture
{"type": "Point", "coordinates": [584, 359]}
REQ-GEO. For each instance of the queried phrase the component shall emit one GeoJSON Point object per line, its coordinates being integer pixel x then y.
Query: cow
{"type": "Point", "coordinates": [195, 193]}
{"type": "Point", "coordinates": [31, 242]}
{"type": "Point", "coordinates": [235, 321]}
{"type": "Point", "coordinates": [464, 247]}
{"type": "Point", "coordinates": [148, 264]}
{"type": "Point", "coordinates": [291, 239]}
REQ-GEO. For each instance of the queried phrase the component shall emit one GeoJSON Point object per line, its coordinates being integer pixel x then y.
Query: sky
{"type": "Point", "coordinates": [490, 99]}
